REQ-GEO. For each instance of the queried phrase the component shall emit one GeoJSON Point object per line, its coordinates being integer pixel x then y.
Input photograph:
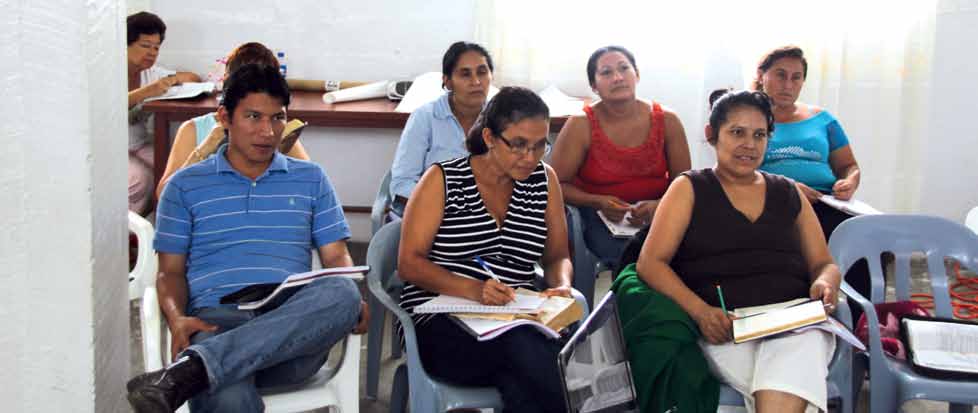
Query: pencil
{"type": "Point", "coordinates": [720, 294]}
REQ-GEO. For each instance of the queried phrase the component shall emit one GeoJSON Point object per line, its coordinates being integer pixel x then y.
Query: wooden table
{"type": "Point", "coordinates": [308, 106]}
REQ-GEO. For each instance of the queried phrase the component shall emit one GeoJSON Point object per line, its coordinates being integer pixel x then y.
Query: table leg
{"type": "Point", "coordinates": [161, 146]}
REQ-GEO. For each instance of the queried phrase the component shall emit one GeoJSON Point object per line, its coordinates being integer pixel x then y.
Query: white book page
{"type": "Point", "coordinates": [490, 329]}
{"type": "Point", "coordinates": [184, 90]}
{"type": "Point", "coordinates": [448, 304]}
{"type": "Point", "coordinates": [757, 309]}
{"type": "Point", "coordinates": [851, 207]}
{"type": "Point", "coordinates": [559, 103]}
{"type": "Point", "coordinates": [776, 321]}
{"type": "Point", "coordinates": [945, 346]}
{"type": "Point", "coordinates": [620, 229]}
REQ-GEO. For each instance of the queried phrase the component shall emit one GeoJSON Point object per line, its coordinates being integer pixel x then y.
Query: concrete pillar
{"type": "Point", "coordinates": [64, 312]}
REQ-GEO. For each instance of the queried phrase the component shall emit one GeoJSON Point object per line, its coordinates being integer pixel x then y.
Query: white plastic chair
{"type": "Point", "coordinates": [145, 269]}
{"type": "Point", "coordinates": [337, 386]}
{"type": "Point", "coordinates": [971, 221]}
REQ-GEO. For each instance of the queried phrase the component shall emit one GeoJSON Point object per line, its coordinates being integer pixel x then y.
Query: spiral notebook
{"type": "Point", "coordinates": [524, 303]}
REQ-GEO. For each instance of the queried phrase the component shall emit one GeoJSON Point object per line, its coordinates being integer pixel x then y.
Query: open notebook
{"type": "Point", "coordinates": [525, 302]}
{"type": "Point", "coordinates": [185, 90]}
{"type": "Point", "coordinates": [945, 346]}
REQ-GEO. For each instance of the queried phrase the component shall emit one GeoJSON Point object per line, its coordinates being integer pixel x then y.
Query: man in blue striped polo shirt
{"type": "Point", "coordinates": [247, 215]}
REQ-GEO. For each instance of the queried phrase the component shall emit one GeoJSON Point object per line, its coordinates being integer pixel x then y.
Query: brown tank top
{"type": "Point", "coordinates": [755, 263]}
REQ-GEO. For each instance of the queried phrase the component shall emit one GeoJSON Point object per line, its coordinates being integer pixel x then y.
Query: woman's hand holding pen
{"type": "Point", "coordinates": [496, 293]}
{"type": "Point", "coordinates": [714, 323]}
{"type": "Point", "coordinates": [825, 290]}
{"type": "Point", "coordinates": [160, 86]}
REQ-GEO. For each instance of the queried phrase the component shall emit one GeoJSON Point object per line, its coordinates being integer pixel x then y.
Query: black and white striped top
{"type": "Point", "coordinates": [467, 230]}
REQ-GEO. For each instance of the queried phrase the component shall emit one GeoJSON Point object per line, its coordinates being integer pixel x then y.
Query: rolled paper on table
{"type": "Point", "coordinates": [312, 85]}
{"type": "Point", "coordinates": [368, 91]}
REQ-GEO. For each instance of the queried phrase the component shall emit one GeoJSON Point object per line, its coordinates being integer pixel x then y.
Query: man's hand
{"type": "Point", "coordinates": [810, 194]}
{"type": "Point", "coordinates": [364, 321]}
{"type": "Point", "coordinates": [181, 329]}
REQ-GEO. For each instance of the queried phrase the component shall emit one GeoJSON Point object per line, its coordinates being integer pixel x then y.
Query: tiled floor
{"type": "Point", "coordinates": [388, 365]}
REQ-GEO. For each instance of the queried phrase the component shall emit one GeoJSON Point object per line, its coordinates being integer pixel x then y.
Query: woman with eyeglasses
{"type": "Point", "coordinates": [500, 204]}
{"type": "Point", "coordinates": [621, 155]}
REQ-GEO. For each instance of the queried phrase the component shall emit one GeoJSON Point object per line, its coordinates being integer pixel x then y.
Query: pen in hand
{"type": "Point", "coordinates": [503, 288]}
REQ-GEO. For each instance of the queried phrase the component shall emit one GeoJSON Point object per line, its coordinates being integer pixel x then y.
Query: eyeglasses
{"type": "Point", "coordinates": [541, 148]}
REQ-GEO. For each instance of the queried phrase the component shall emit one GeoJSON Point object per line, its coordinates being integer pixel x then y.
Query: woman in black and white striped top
{"type": "Point", "coordinates": [504, 205]}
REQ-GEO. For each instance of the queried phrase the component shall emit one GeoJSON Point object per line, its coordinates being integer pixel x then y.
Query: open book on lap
{"type": "Point", "coordinates": [257, 296]}
{"type": "Point", "coordinates": [793, 316]}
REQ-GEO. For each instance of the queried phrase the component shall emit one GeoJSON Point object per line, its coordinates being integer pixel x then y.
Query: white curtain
{"type": "Point", "coordinates": [869, 64]}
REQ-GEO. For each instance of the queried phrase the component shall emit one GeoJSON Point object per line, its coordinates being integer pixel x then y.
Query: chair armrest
{"type": "Point", "coordinates": [151, 323]}
{"type": "Point", "coordinates": [407, 324]}
{"type": "Point", "coordinates": [872, 322]}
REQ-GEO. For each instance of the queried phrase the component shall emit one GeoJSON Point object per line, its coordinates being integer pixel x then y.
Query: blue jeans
{"type": "Point", "coordinates": [282, 346]}
{"type": "Point", "coordinates": [598, 239]}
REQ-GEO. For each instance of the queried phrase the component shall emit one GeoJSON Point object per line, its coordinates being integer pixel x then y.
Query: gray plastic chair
{"type": "Point", "coordinates": [840, 379]}
{"type": "Point", "coordinates": [891, 381]}
{"type": "Point", "coordinates": [410, 378]}
{"type": "Point", "coordinates": [375, 335]}
{"type": "Point", "coordinates": [587, 266]}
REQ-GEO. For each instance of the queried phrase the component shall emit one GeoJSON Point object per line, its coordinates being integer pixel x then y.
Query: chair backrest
{"type": "Point", "coordinates": [870, 236]}
{"type": "Point", "coordinates": [144, 272]}
{"type": "Point", "coordinates": [378, 212]}
{"type": "Point", "coordinates": [971, 221]}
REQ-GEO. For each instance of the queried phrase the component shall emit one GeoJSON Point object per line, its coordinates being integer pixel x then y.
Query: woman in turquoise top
{"type": "Point", "coordinates": [436, 131]}
{"type": "Point", "coordinates": [808, 145]}
{"type": "Point", "coordinates": [196, 130]}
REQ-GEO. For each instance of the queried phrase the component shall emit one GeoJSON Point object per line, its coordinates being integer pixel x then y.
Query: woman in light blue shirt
{"type": "Point", "coordinates": [809, 146]}
{"type": "Point", "coordinates": [436, 131]}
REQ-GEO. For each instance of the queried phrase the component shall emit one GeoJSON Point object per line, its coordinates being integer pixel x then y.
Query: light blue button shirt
{"type": "Point", "coordinates": [432, 134]}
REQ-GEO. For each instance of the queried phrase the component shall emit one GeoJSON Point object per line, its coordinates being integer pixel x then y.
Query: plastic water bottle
{"type": "Point", "coordinates": [283, 68]}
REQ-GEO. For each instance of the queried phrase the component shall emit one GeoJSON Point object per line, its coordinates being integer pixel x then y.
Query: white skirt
{"type": "Point", "coordinates": [794, 363]}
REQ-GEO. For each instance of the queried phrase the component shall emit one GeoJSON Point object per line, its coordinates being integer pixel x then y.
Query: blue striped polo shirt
{"type": "Point", "coordinates": [236, 232]}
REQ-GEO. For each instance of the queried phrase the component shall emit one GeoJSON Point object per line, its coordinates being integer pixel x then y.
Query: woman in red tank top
{"type": "Point", "coordinates": [621, 155]}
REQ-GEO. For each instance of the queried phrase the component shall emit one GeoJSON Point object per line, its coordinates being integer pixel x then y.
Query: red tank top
{"type": "Point", "coordinates": [632, 174]}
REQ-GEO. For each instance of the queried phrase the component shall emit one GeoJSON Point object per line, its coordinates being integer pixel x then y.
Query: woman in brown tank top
{"type": "Point", "coordinates": [748, 230]}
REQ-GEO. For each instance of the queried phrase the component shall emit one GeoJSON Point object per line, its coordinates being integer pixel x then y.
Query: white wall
{"type": "Point", "coordinates": [64, 315]}
{"type": "Point", "coordinates": [341, 40]}
{"type": "Point", "coordinates": [950, 148]}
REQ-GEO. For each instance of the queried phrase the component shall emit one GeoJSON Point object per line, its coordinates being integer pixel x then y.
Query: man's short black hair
{"type": "Point", "coordinates": [146, 23]}
{"type": "Point", "coordinates": [253, 78]}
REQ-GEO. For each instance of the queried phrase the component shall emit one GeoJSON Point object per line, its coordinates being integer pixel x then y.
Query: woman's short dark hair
{"type": "Point", "coordinates": [146, 23]}
{"type": "Point", "coordinates": [450, 60]}
{"type": "Point", "coordinates": [511, 105]}
{"type": "Point", "coordinates": [722, 101]}
{"type": "Point", "coordinates": [769, 58]}
{"type": "Point", "coordinates": [592, 62]}
{"type": "Point", "coordinates": [253, 78]}
{"type": "Point", "coordinates": [252, 52]}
